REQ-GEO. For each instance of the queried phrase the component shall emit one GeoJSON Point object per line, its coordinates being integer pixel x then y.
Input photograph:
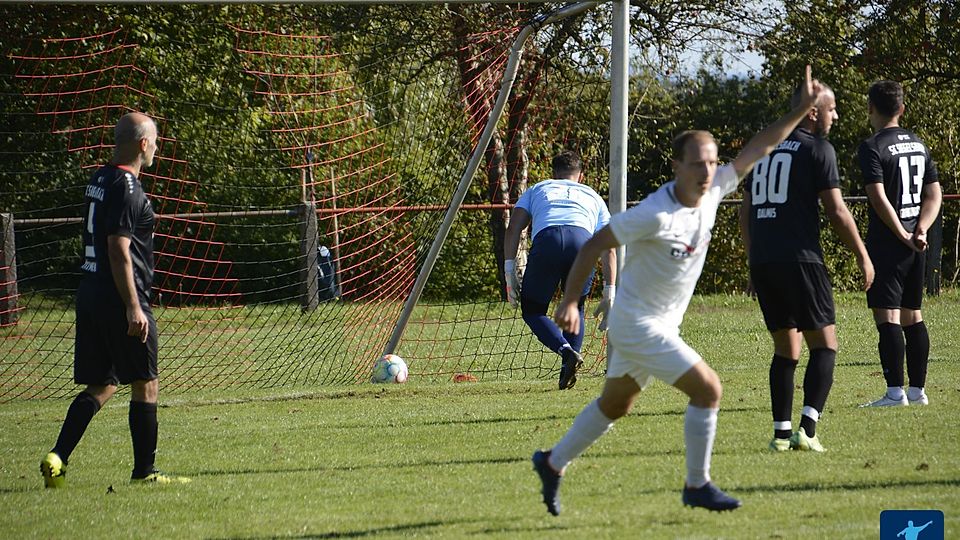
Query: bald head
{"type": "Point", "coordinates": [133, 127]}
{"type": "Point", "coordinates": [135, 139]}
{"type": "Point", "coordinates": [827, 94]}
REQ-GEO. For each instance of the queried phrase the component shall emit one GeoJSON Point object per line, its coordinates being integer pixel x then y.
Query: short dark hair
{"type": "Point", "coordinates": [886, 97]}
{"type": "Point", "coordinates": [566, 163]}
{"type": "Point", "coordinates": [681, 140]}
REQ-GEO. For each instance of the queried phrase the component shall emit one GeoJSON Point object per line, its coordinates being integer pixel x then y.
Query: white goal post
{"type": "Point", "coordinates": [618, 139]}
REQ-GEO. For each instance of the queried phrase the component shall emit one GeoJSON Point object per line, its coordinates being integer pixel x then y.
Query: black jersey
{"type": "Point", "coordinates": [117, 205]}
{"type": "Point", "coordinates": [784, 195]}
{"type": "Point", "coordinates": [896, 158]}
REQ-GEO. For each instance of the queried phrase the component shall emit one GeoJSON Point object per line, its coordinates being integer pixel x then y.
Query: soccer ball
{"type": "Point", "coordinates": [390, 368]}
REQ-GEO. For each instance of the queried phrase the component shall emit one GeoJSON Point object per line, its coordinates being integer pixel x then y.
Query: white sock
{"type": "Point", "coordinates": [810, 413]}
{"type": "Point", "coordinates": [587, 427]}
{"type": "Point", "coordinates": [786, 425]}
{"type": "Point", "coordinates": [699, 430]}
{"type": "Point", "coordinates": [895, 392]}
{"type": "Point", "coordinates": [915, 392]}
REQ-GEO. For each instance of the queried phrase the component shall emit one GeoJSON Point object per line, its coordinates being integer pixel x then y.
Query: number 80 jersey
{"type": "Point", "coordinates": [783, 189]}
{"type": "Point", "coordinates": [117, 205]}
{"type": "Point", "coordinates": [895, 157]}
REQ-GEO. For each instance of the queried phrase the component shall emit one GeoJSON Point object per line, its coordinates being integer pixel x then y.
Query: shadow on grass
{"type": "Point", "coordinates": [651, 453]}
{"type": "Point", "coordinates": [509, 420]}
{"type": "Point", "coordinates": [849, 486]}
{"type": "Point", "coordinates": [371, 466]}
{"type": "Point", "coordinates": [20, 490]}
{"type": "Point", "coordinates": [636, 413]}
{"type": "Point", "coordinates": [546, 530]}
{"type": "Point", "coordinates": [408, 528]}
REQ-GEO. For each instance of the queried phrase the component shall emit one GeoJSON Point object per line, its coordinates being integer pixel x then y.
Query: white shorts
{"type": "Point", "coordinates": [649, 351]}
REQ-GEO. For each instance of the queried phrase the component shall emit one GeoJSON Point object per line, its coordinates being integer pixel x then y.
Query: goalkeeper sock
{"type": "Point", "coordinates": [576, 340]}
{"type": "Point", "coordinates": [535, 315]}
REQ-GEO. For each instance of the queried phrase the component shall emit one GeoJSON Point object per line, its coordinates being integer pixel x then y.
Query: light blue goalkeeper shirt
{"type": "Point", "coordinates": [564, 202]}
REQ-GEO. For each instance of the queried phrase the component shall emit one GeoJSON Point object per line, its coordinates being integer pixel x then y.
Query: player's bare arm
{"type": "Point", "coordinates": [932, 198]}
{"type": "Point", "coordinates": [519, 220]}
{"type": "Point", "coordinates": [566, 315]}
{"type": "Point", "coordinates": [885, 211]}
{"type": "Point", "coordinates": [121, 266]}
{"type": "Point", "coordinates": [608, 262]}
{"type": "Point", "coordinates": [843, 222]}
{"type": "Point", "coordinates": [766, 140]}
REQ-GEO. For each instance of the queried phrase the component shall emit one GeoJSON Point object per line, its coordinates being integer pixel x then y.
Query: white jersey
{"type": "Point", "coordinates": [666, 244]}
{"type": "Point", "coordinates": [564, 202]}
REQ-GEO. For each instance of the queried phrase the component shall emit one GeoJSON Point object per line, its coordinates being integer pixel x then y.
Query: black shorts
{"type": "Point", "coordinates": [794, 295]}
{"type": "Point", "coordinates": [899, 279]}
{"type": "Point", "coordinates": [103, 352]}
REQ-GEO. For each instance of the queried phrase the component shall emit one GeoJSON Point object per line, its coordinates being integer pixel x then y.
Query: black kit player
{"type": "Point", "coordinates": [780, 225]}
{"type": "Point", "coordinates": [900, 179]}
{"type": "Point", "coordinates": [116, 335]}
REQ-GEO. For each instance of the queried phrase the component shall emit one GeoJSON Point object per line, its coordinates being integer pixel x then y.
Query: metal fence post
{"type": "Point", "coordinates": [934, 256]}
{"type": "Point", "coordinates": [9, 311]}
{"type": "Point", "coordinates": [309, 288]}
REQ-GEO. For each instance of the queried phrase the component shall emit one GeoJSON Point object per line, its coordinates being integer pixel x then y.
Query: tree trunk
{"type": "Point", "coordinates": [476, 80]}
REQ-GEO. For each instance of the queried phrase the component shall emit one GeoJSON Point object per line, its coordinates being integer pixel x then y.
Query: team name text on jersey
{"type": "Point", "coordinates": [791, 146]}
{"type": "Point", "coordinates": [95, 192]}
{"type": "Point", "coordinates": [906, 148]}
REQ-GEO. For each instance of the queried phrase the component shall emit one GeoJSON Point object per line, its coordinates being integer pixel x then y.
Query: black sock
{"type": "Point", "coordinates": [143, 431]}
{"type": "Point", "coordinates": [918, 353]}
{"type": "Point", "coordinates": [81, 411]}
{"type": "Point", "coordinates": [891, 348]}
{"type": "Point", "coordinates": [817, 382]}
{"type": "Point", "coordinates": [781, 392]}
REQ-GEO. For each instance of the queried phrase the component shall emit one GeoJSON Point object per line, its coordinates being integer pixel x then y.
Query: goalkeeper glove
{"type": "Point", "coordinates": [513, 282]}
{"type": "Point", "coordinates": [603, 310]}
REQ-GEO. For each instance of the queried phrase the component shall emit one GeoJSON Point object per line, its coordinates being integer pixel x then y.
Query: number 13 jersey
{"type": "Point", "coordinates": [896, 158]}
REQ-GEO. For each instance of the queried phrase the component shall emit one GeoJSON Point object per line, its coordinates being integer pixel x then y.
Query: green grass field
{"type": "Point", "coordinates": [452, 460]}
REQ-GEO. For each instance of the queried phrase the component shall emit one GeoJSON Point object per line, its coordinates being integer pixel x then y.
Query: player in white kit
{"type": "Point", "coordinates": [666, 238]}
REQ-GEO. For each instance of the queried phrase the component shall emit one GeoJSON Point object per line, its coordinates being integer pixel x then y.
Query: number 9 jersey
{"type": "Point", "coordinates": [896, 158]}
{"type": "Point", "coordinates": [117, 205]}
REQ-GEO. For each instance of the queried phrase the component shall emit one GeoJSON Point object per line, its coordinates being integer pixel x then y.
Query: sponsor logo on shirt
{"type": "Point", "coordinates": [685, 250]}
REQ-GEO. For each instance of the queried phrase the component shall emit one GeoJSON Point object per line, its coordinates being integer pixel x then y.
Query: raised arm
{"type": "Point", "coordinates": [766, 140]}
